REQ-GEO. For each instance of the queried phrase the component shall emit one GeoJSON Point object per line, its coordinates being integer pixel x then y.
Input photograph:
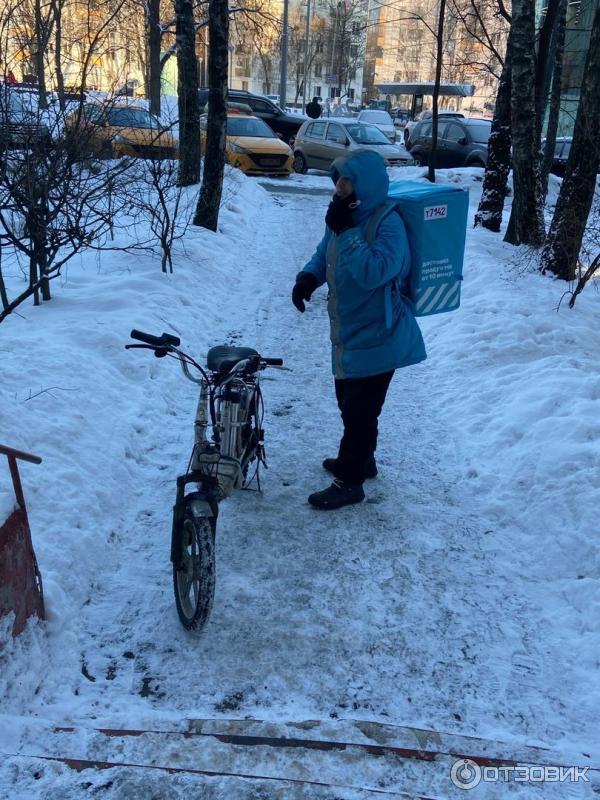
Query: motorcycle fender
{"type": "Point", "coordinates": [201, 508]}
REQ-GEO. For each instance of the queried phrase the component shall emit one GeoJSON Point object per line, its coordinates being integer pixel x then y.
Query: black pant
{"type": "Point", "coordinates": [360, 400]}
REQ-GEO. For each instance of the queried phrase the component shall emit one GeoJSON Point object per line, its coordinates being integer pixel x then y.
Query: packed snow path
{"type": "Point", "coordinates": [409, 609]}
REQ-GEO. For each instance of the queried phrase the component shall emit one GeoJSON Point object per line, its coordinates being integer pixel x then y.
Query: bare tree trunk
{"type": "Point", "coordinates": [33, 280]}
{"type": "Point", "coordinates": [265, 63]}
{"type": "Point", "coordinates": [58, 55]}
{"type": "Point", "coordinates": [187, 88]}
{"type": "Point", "coordinates": [495, 181]}
{"type": "Point", "coordinates": [563, 244]}
{"type": "Point", "coordinates": [41, 39]}
{"type": "Point", "coordinates": [209, 200]}
{"type": "Point", "coordinates": [3, 293]}
{"type": "Point", "coordinates": [526, 225]}
{"type": "Point", "coordinates": [554, 109]}
{"type": "Point", "coordinates": [436, 91]}
{"type": "Point", "coordinates": [153, 39]}
{"type": "Point", "coordinates": [543, 63]}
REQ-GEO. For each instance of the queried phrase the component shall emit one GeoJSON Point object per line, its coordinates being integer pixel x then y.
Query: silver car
{"type": "Point", "coordinates": [380, 118]}
{"type": "Point", "coordinates": [319, 142]}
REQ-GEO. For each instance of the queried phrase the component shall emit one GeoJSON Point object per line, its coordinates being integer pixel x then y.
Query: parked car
{"type": "Point", "coordinates": [384, 105]}
{"type": "Point", "coordinates": [427, 114]}
{"type": "Point", "coordinates": [400, 117]}
{"type": "Point", "coordinates": [131, 88]}
{"type": "Point", "coordinates": [251, 145]}
{"type": "Point", "coordinates": [461, 142]}
{"type": "Point", "coordinates": [22, 122]}
{"type": "Point", "coordinates": [381, 119]}
{"type": "Point", "coordinates": [279, 121]}
{"type": "Point", "coordinates": [319, 142]}
{"type": "Point", "coordinates": [562, 148]}
{"type": "Point", "coordinates": [126, 129]}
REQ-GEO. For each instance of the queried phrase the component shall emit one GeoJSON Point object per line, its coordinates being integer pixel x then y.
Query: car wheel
{"type": "Point", "coordinates": [300, 164]}
{"type": "Point", "coordinates": [420, 161]}
{"type": "Point", "coordinates": [476, 163]}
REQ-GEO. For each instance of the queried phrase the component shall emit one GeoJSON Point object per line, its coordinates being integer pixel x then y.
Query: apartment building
{"type": "Point", "coordinates": [401, 48]}
{"type": "Point", "coordinates": [330, 61]}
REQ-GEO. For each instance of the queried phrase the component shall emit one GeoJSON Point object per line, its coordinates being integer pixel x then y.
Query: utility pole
{"type": "Point", "coordinates": [306, 68]}
{"type": "Point", "coordinates": [284, 56]}
{"type": "Point", "coordinates": [333, 46]}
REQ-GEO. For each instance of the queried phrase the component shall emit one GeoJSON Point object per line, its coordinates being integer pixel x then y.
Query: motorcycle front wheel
{"type": "Point", "coordinates": [194, 570]}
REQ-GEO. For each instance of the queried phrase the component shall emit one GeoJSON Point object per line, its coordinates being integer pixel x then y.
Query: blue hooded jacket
{"type": "Point", "coordinates": [366, 279]}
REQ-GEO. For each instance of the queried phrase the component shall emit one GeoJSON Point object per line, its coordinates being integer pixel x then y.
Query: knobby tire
{"type": "Point", "coordinates": [194, 571]}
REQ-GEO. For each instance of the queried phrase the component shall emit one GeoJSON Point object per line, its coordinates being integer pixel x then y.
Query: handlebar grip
{"type": "Point", "coordinates": [166, 340]}
{"type": "Point", "coordinates": [147, 338]}
{"type": "Point", "coordinates": [273, 362]}
{"type": "Point", "coordinates": [174, 341]}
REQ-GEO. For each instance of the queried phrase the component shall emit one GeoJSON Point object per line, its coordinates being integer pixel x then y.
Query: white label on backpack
{"type": "Point", "coordinates": [436, 212]}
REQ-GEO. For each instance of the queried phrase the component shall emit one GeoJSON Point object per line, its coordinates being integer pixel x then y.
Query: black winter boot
{"type": "Point", "coordinates": [370, 469]}
{"type": "Point", "coordinates": [337, 495]}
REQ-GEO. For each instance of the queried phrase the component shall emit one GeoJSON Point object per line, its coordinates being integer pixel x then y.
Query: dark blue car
{"type": "Point", "coordinates": [461, 142]}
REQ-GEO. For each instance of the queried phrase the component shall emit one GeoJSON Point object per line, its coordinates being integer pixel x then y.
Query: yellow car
{"type": "Point", "coordinates": [252, 146]}
{"type": "Point", "coordinates": [112, 130]}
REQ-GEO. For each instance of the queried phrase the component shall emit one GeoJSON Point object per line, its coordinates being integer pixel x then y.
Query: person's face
{"type": "Point", "coordinates": [344, 188]}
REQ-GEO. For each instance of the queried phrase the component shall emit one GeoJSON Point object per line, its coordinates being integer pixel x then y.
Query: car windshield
{"type": "Point", "coordinates": [363, 133]}
{"type": "Point", "coordinates": [377, 117]}
{"type": "Point", "coordinates": [132, 118]}
{"type": "Point", "coordinates": [248, 126]}
{"type": "Point", "coordinates": [480, 133]}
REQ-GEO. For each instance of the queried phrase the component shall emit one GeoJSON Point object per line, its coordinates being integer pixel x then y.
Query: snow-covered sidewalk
{"type": "Point", "coordinates": [461, 597]}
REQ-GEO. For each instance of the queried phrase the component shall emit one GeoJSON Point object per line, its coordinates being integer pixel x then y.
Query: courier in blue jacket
{"type": "Point", "coordinates": [373, 330]}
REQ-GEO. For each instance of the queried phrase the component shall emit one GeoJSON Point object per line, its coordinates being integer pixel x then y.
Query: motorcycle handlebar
{"type": "Point", "coordinates": [166, 340]}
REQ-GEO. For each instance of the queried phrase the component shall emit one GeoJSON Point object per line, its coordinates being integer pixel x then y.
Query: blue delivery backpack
{"type": "Point", "coordinates": [435, 217]}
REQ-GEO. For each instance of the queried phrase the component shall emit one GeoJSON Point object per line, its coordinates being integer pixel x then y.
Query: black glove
{"type": "Point", "coordinates": [339, 213]}
{"type": "Point", "coordinates": [305, 285]}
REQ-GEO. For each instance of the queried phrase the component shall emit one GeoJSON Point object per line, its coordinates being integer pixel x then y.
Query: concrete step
{"type": "Point", "coordinates": [341, 759]}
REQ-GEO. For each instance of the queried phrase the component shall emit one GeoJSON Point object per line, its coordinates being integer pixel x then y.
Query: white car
{"type": "Point", "coordinates": [381, 119]}
{"type": "Point", "coordinates": [22, 122]}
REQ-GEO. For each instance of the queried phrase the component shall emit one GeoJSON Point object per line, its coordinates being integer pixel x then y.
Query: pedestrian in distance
{"type": "Point", "coordinates": [372, 327]}
{"type": "Point", "coordinates": [313, 109]}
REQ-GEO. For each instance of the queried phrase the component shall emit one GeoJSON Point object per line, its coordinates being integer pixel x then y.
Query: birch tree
{"type": "Point", "coordinates": [526, 225]}
{"type": "Point", "coordinates": [495, 181]}
{"type": "Point", "coordinates": [561, 251]}
{"type": "Point", "coordinates": [558, 50]}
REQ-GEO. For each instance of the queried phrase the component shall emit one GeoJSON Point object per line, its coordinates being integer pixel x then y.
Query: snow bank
{"type": "Point", "coordinates": [72, 394]}
{"type": "Point", "coordinates": [510, 390]}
